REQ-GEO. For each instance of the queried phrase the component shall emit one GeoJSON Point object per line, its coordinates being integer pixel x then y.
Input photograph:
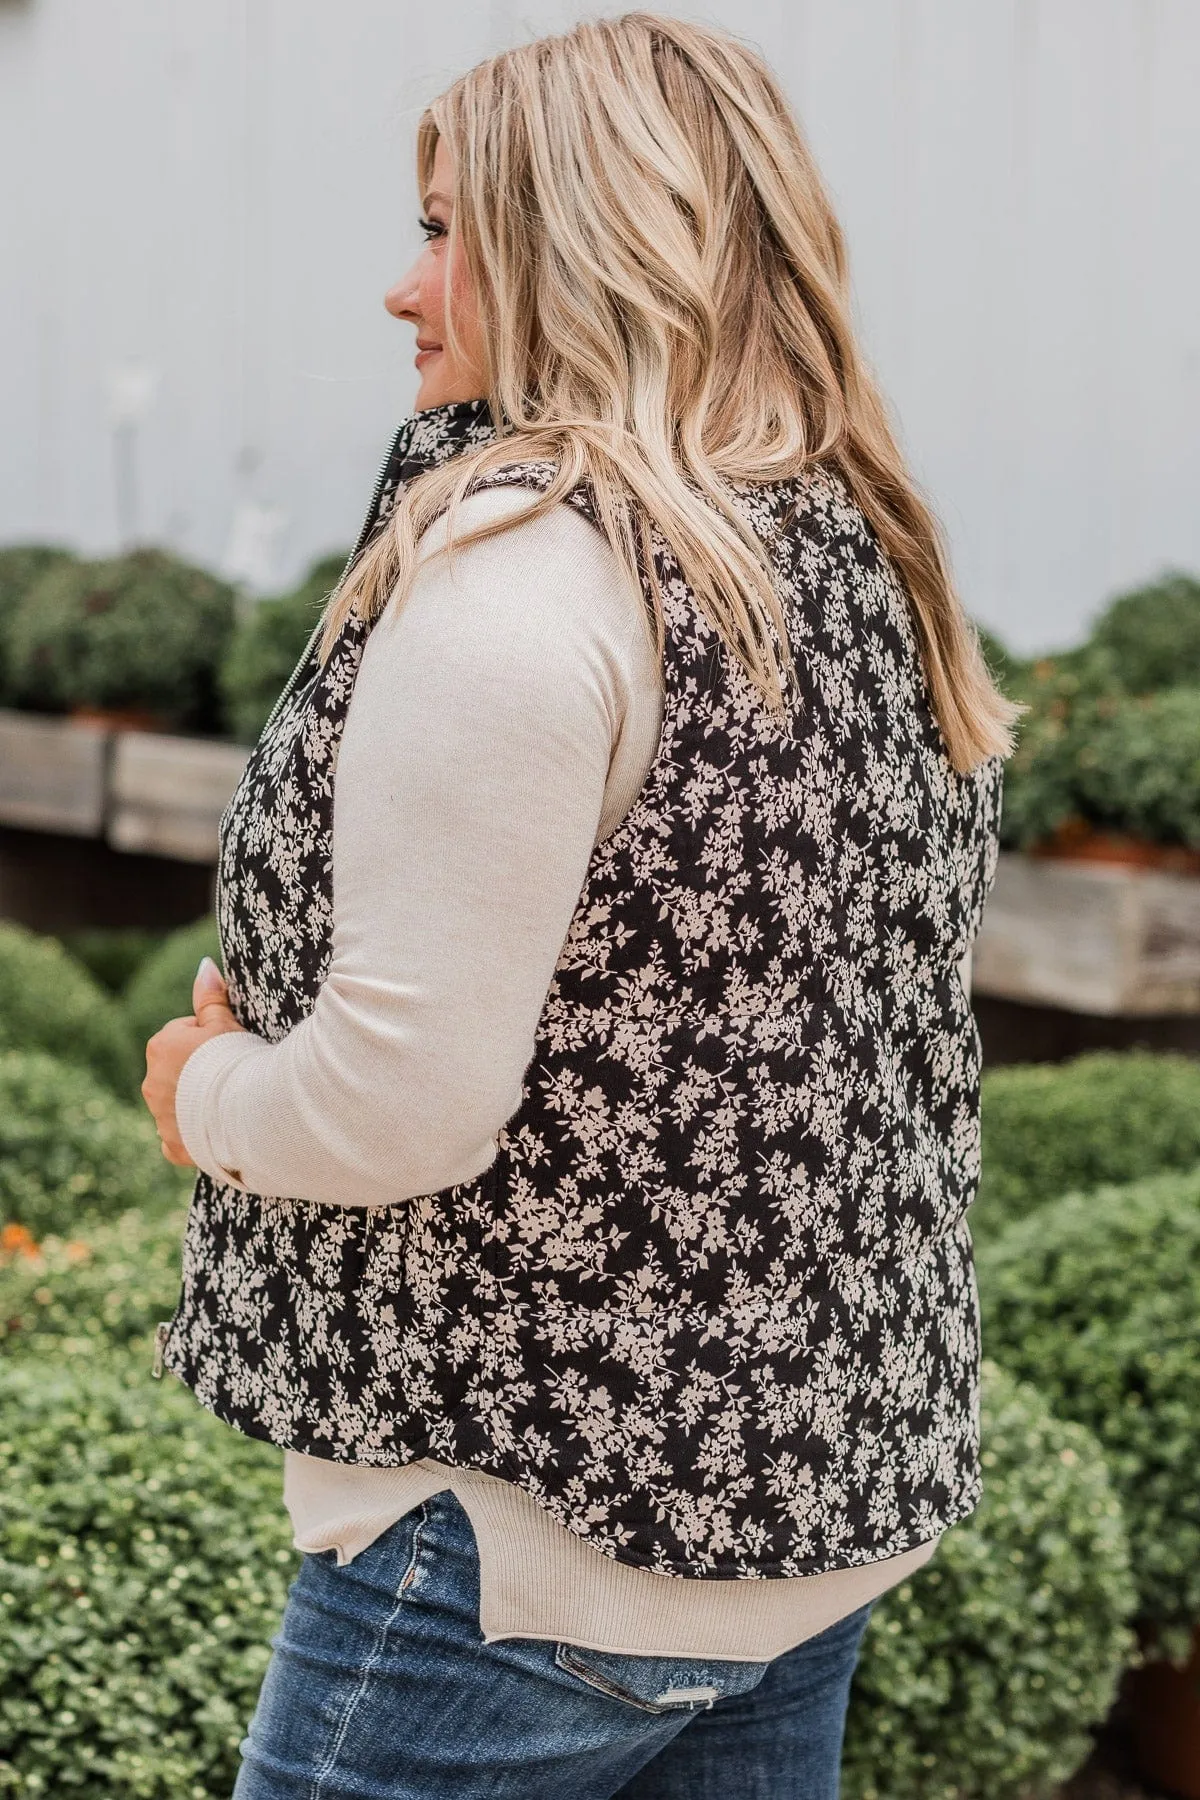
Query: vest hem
{"type": "Point", "coordinates": [861, 1556]}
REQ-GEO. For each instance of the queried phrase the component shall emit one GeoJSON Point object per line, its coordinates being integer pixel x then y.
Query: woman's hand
{"type": "Point", "coordinates": [170, 1048]}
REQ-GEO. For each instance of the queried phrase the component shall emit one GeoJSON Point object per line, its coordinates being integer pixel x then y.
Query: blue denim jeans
{"type": "Point", "coordinates": [381, 1687]}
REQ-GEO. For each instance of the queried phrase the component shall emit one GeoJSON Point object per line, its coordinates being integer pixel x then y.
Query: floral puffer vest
{"type": "Point", "coordinates": [712, 1304]}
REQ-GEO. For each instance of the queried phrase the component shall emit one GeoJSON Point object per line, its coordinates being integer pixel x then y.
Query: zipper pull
{"type": "Point", "coordinates": [160, 1337]}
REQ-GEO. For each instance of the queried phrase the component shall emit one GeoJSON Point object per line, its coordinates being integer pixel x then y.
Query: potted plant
{"type": "Point", "coordinates": [1151, 635]}
{"type": "Point", "coordinates": [1116, 778]}
{"type": "Point", "coordinates": [20, 566]}
{"type": "Point", "coordinates": [1107, 767]}
{"type": "Point", "coordinates": [137, 638]}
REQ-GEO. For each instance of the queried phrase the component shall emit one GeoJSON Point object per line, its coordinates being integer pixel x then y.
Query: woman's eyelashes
{"type": "Point", "coordinates": [433, 228]}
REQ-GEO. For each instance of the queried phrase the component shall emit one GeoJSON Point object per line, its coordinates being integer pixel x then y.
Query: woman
{"type": "Point", "coordinates": [587, 1133]}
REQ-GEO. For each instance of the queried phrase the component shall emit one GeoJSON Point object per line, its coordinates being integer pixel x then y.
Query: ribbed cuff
{"type": "Point", "coordinates": [197, 1098]}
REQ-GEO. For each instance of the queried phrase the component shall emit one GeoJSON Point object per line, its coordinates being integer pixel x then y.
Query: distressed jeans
{"type": "Point", "coordinates": [381, 1687]}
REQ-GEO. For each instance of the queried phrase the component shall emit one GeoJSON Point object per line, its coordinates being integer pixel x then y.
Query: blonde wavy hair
{"type": "Point", "coordinates": [665, 309]}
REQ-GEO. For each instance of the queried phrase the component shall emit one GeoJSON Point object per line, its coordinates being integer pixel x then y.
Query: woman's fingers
{"type": "Point", "coordinates": [170, 1048]}
{"type": "Point", "coordinates": [210, 997]}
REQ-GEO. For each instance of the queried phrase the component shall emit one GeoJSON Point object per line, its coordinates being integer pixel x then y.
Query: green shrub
{"type": "Point", "coordinates": [144, 1563]}
{"type": "Point", "coordinates": [162, 988]}
{"type": "Point", "coordinates": [112, 955]}
{"type": "Point", "coordinates": [1007, 670]}
{"type": "Point", "coordinates": [48, 1001]}
{"type": "Point", "coordinates": [1135, 766]}
{"type": "Point", "coordinates": [268, 644]}
{"type": "Point", "coordinates": [1153, 634]}
{"type": "Point", "coordinates": [1039, 777]}
{"type": "Point", "coordinates": [1096, 1299]}
{"type": "Point", "coordinates": [1062, 695]}
{"type": "Point", "coordinates": [142, 631]}
{"type": "Point", "coordinates": [20, 566]}
{"type": "Point", "coordinates": [1112, 734]}
{"type": "Point", "coordinates": [105, 1285]}
{"type": "Point", "coordinates": [71, 1152]}
{"type": "Point", "coordinates": [1110, 1116]}
{"type": "Point", "coordinates": [980, 1676]}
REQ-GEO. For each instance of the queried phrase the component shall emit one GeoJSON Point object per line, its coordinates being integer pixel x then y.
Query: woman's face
{"type": "Point", "coordinates": [433, 291]}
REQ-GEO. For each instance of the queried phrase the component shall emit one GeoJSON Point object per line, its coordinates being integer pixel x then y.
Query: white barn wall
{"type": "Point", "coordinates": [221, 194]}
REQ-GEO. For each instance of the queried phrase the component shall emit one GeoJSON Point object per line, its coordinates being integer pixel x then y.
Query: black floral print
{"type": "Point", "coordinates": [713, 1303]}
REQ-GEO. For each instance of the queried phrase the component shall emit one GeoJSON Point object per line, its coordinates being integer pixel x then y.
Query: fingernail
{"type": "Point", "coordinates": [206, 962]}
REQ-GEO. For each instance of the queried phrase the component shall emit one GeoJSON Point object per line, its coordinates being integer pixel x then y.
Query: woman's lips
{"type": "Point", "coordinates": [423, 355]}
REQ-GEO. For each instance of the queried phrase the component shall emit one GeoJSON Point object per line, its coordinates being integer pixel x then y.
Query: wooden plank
{"type": "Point", "coordinates": [1091, 938]}
{"type": "Point", "coordinates": [52, 774]}
{"type": "Point", "coordinates": [167, 794]}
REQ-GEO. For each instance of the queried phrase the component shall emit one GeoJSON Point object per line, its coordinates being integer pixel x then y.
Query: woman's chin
{"type": "Point", "coordinates": [430, 393]}
{"type": "Point", "coordinates": [437, 389]}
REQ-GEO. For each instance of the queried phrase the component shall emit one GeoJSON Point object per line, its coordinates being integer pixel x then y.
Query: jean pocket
{"type": "Point", "coordinates": [659, 1684]}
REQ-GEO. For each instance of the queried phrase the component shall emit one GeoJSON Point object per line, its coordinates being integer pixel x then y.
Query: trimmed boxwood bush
{"type": "Point", "coordinates": [20, 566]}
{"type": "Point", "coordinates": [143, 631]}
{"type": "Point", "coordinates": [48, 1001]}
{"type": "Point", "coordinates": [268, 644]}
{"type": "Point", "coordinates": [144, 1563]}
{"type": "Point", "coordinates": [162, 988]}
{"type": "Point", "coordinates": [113, 955]}
{"type": "Point", "coordinates": [105, 1285]}
{"type": "Point", "coordinates": [1110, 1116]}
{"type": "Point", "coordinates": [980, 1676]}
{"type": "Point", "coordinates": [70, 1152]}
{"type": "Point", "coordinates": [1096, 1298]}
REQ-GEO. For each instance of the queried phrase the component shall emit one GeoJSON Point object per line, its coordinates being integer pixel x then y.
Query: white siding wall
{"type": "Point", "coordinates": [220, 193]}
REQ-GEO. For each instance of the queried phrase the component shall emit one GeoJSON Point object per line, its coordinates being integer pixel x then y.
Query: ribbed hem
{"type": "Point", "coordinates": [538, 1580]}
{"type": "Point", "coordinates": [340, 1507]}
{"type": "Point", "coordinates": [195, 1101]}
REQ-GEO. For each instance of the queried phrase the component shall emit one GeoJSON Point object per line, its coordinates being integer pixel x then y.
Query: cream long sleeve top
{"type": "Point", "coordinates": [503, 721]}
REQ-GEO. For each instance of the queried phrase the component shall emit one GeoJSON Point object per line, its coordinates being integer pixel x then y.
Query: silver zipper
{"type": "Point", "coordinates": [290, 685]}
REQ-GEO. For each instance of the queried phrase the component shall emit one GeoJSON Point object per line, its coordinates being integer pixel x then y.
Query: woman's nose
{"type": "Point", "coordinates": [401, 298]}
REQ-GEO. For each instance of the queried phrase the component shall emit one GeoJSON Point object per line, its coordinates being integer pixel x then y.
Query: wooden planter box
{"type": "Point", "coordinates": [1090, 938]}
{"type": "Point", "coordinates": [52, 774]}
{"type": "Point", "coordinates": [167, 794]}
{"type": "Point", "coordinates": [1165, 1707]}
{"type": "Point", "coordinates": [145, 792]}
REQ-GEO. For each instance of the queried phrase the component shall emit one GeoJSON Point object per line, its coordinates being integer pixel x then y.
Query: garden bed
{"type": "Point", "coordinates": [167, 794]}
{"type": "Point", "coordinates": [142, 792]}
{"type": "Point", "coordinates": [52, 775]}
{"type": "Point", "coordinates": [1091, 937]}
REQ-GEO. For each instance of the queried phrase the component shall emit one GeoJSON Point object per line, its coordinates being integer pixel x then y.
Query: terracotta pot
{"type": "Point", "coordinates": [1077, 842]}
{"type": "Point", "coordinates": [1164, 1702]}
{"type": "Point", "coordinates": [118, 718]}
